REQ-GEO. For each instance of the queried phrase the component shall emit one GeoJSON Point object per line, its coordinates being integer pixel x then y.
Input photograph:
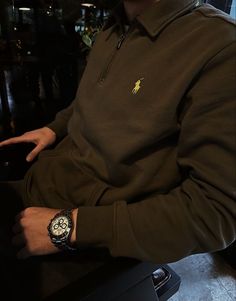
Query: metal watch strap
{"type": "Point", "coordinates": [65, 244]}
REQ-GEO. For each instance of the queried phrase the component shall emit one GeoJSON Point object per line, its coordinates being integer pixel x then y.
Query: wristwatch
{"type": "Point", "coordinates": [60, 229]}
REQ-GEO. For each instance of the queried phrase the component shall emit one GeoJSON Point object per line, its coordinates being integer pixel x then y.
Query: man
{"type": "Point", "coordinates": [146, 152]}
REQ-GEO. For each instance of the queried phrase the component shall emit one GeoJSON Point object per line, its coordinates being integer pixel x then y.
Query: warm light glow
{"type": "Point", "coordinates": [24, 8]}
{"type": "Point", "coordinates": [88, 5]}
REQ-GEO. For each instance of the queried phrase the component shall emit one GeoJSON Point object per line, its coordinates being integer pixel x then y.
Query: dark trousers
{"type": "Point", "coordinates": [37, 277]}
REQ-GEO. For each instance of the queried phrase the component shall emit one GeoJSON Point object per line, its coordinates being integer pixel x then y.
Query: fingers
{"type": "Point", "coordinates": [17, 228]}
{"type": "Point", "coordinates": [14, 140]}
{"type": "Point", "coordinates": [34, 153]}
{"type": "Point", "coordinates": [19, 216]}
{"type": "Point", "coordinates": [19, 240]}
{"type": "Point", "coordinates": [20, 139]}
{"type": "Point", "coordinates": [41, 138]}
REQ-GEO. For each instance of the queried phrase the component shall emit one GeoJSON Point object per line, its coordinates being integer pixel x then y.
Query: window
{"type": "Point", "coordinates": [224, 5]}
{"type": "Point", "coordinates": [233, 9]}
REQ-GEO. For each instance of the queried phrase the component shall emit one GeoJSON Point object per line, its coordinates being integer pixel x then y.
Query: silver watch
{"type": "Point", "coordinates": [60, 229]}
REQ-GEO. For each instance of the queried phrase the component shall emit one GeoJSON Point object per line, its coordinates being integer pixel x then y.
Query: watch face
{"type": "Point", "coordinates": [59, 225]}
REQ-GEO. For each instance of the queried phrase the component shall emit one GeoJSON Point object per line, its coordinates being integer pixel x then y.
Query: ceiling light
{"type": "Point", "coordinates": [88, 5]}
{"type": "Point", "coordinates": [24, 8]}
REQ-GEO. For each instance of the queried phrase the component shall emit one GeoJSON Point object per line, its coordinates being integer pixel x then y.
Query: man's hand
{"type": "Point", "coordinates": [31, 233]}
{"type": "Point", "coordinates": [42, 138]}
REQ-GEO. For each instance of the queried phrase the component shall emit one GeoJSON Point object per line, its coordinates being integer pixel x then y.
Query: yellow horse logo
{"type": "Point", "coordinates": [137, 86]}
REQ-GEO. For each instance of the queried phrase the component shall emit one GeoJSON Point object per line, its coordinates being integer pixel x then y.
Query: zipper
{"type": "Point", "coordinates": [106, 70]}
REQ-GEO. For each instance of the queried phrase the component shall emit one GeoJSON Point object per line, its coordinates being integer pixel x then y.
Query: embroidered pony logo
{"type": "Point", "coordinates": [137, 86]}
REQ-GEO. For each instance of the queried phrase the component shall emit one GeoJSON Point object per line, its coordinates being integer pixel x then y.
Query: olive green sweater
{"type": "Point", "coordinates": [148, 148]}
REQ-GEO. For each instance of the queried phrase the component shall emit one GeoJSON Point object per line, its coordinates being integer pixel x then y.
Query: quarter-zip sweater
{"type": "Point", "coordinates": [148, 148]}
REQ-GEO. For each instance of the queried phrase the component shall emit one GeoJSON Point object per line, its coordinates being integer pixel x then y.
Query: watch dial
{"type": "Point", "coordinates": [59, 225]}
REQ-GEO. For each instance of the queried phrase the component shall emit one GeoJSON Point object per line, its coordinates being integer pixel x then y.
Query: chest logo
{"type": "Point", "coordinates": [137, 86]}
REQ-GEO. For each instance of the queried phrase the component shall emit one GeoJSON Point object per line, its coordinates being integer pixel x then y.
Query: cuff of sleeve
{"type": "Point", "coordinates": [56, 127]}
{"type": "Point", "coordinates": [95, 226]}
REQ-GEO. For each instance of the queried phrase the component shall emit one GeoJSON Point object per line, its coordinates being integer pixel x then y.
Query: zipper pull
{"type": "Point", "coordinates": [121, 40]}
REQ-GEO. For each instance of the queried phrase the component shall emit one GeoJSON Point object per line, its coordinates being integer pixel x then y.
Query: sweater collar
{"type": "Point", "coordinates": [156, 17]}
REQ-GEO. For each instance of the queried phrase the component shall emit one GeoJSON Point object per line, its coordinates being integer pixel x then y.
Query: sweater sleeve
{"type": "Point", "coordinates": [59, 124]}
{"type": "Point", "coordinates": [200, 214]}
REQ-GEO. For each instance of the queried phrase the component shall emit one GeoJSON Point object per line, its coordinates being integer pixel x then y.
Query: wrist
{"type": "Point", "coordinates": [73, 235]}
{"type": "Point", "coordinates": [49, 131]}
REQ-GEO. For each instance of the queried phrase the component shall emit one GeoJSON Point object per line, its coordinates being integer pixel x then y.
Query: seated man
{"type": "Point", "coordinates": [145, 166]}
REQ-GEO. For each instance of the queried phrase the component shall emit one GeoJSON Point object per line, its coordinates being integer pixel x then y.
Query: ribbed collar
{"type": "Point", "coordinates": [157, 16]}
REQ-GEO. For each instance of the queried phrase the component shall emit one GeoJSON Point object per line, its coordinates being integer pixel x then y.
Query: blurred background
{"type": "Point", "coordinates": [44, 46]}
{"type": "Point", "coordinates": [43, 49]}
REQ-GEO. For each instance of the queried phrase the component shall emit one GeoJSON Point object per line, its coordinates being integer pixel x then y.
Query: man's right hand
{"type": "Point", "coordinates": [42, 138]}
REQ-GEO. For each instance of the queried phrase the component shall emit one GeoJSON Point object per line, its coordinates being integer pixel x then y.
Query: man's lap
{"type": "Point", "coordinates": [36, 277]}
{"type": "Point", "coordinates": [11, 205]}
